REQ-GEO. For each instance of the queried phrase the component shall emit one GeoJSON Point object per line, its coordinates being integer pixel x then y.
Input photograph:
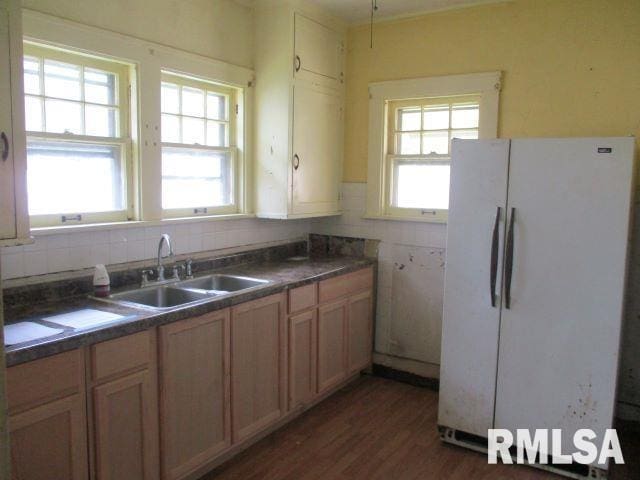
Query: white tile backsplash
{"type": "Point", "coordinates": [78, 250]}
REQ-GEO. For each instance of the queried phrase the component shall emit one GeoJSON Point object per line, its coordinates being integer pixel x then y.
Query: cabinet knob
{"type": "Point", "coordinates": [5, 146]}
{"type": "Point", "coordinates": [296, 161]}
{"type": "Point", "coordinates": [298, 63]}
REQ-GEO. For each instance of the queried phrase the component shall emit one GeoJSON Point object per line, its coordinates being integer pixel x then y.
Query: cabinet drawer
{"type": "Point", "coordinates": [346, 284]}
{"type": "Point", "coordinates": [40, 381]}
{"type": "Point", "coordinates": [120, 355]}
{"type": "Point", "coordinates": [303, 297]}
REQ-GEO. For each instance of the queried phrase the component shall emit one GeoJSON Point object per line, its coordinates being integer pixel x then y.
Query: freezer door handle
{"type": "Point", "coordinates": [494, 257]}
{"type": "Point", "coordinates": [508, 262]}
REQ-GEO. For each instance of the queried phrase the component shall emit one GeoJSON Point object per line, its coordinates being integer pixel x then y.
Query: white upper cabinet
{"type": "Point", "coordinates": [299, 110]}
{"type": "Point", "coordinates": [14, 220]}
{"type": "Point", "coordinates": [319, 52]}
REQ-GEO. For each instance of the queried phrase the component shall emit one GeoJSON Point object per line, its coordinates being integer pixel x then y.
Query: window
{"type": "Point", "coordinates": [78, 142]}
{"type": "Point", "coordinates": [412, 123]}
{"type": "Point", "coordinates": [419, 148]}
{"type": "Point", "coordinates": [198, 147]}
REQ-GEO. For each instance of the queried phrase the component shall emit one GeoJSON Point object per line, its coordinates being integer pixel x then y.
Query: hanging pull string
{"type": "Point", "coordinates": [374, 8]}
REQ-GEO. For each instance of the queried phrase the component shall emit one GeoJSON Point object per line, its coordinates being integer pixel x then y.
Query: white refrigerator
{"type": "Point", "coordinates": [537, 242]}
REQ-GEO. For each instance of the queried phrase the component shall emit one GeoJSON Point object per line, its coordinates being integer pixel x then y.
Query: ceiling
{"type": "Point", "coordinates": [359, 11]}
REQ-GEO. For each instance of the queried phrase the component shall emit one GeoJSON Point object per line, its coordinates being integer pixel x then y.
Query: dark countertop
{"type": "Point", "coordinates": [282, 274]}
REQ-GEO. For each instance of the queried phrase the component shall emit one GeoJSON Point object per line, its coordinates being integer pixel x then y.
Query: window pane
{"type": "Point", "coordinates": [436, 118]}
{"type": "Point", "coordinates": [170, 98]}
{"type": "Point", "coordinates": [216, 106]}
{"type": "Point", "coordinates": [435, 142]}
{"type": "Point", "coordinates": [101, 121]}
{"type": "Point", "coordinates": [33, 113]}
{"type": "Point", "coordinates": [31, 75]}
{"type": "Point", "coordinates": [192, 130]}
{"type": "Point", "coordinates": [216, 136]}
{"type": "Point", "coordinates": [170, 128]}
{"type": "Point", "coordinates": [63, 117]}
{"type": "Point", "coordinates": [464, 116]}
{"type": "Point", "coordinates": [409, 119]}
{"type": "Point", "coordinates": [422, 186]}
{"type": "Point", "coordinates": [195, 178]}
{"type": "Point", "coordinates": [67, 177]}
{"type": "Point", "coordinates": [408, 143]}
{"type": "Point", "coordinates": [465, 134]}
{"type": "Point", "coordinates": [99, 87]}
{"type": "Point", "coordinates": [192, 101]}
{"type": "Point", "coordinates": [61, 80]}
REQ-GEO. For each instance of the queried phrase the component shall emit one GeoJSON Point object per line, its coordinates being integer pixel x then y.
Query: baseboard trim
{"type": "Point", "coordinates": [405, 377]}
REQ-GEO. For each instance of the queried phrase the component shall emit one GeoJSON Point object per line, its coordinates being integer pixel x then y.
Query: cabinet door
{"type": "Point", "coordinates": [126, 428]}
{"type": "Point", "coordinates": [7, 197]}
{"type": "Point", "coordinates": [194, 392]}
{"type": "Point", "coordinates": [302, 358]}
{"type": "Point", "coordinates": [49, 442]}
{"type": "Point", "coordinates": [319, 51]}
{"type": "Point", "coordinates": [359, 331]}
{"type": "Point", "coordinates": [317, 147]}
{"type": "Point", "coordinates": [258, 372]}
{"type": "Point", "coordinates": [332, 368]}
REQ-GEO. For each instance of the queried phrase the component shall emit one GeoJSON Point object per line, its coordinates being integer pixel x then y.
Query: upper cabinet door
{"type": "Point", "coordinates": [318, 52]}
{"type": "Point", "coordinates": [317, 147]}
{"type": "Point", "coordinates": [7, 196]}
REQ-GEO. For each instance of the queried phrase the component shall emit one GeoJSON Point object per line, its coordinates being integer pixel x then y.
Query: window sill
{"type": "Point", "coordinates": [398, 218]}
{"type": "Point", "coordinates": [94, 227]}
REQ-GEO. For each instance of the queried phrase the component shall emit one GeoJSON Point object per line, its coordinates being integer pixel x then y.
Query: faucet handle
{"type": "Point", "coordinates": [177, 268]}
{"type": "Point", "coordinates": [145, 276]}
{"type": "Point", "coordinates": [188, 265]}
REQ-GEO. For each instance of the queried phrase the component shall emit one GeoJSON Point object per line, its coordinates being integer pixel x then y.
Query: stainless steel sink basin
{"type": "Point", "coordinates": [160, 298]}
{"type": "Point", "coordinates": [220, 284]}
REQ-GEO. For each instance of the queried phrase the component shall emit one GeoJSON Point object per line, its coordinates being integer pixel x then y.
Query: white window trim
{"type": "Point", "coordinates": [150, 59]}
{"type": "Point", "coordinates": [487, 85]}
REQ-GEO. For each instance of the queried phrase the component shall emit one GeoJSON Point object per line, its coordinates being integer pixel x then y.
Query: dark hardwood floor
{"type": "Point", "coordinates": [379, 429]}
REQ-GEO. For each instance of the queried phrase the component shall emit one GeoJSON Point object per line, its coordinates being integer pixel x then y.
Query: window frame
{"type": "Point", "coordinates": [230, 95]}
{"type": "Point", "coordinates": [149, 59]}
{"type": "Point", "coordinates": [124, 72]}
{"type": "Point", "coordinates": [383, 97]}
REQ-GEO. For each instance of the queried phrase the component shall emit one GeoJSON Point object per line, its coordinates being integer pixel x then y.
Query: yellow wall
{"type": "Point", "coordinates": [221, 29]}
{"type": "Point", "coordinates": [570, 67]}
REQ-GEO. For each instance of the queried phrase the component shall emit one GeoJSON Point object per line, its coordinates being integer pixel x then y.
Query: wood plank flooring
{"type": "Point", "coordinates": [377, 429]}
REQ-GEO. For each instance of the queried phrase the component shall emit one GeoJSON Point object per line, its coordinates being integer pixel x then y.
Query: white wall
{"type": "Point", "coordinates": [220, 29]}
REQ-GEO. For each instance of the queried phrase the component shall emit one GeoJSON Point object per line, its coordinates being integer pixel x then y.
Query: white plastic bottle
{"type": "Point", "coordinates": [101, 281]}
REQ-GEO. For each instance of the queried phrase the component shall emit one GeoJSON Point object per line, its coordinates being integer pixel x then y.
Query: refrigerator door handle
{"type": "Point", "coordinates": [494, 257]}
{"type": "Point", "coordinates": [508, 270]}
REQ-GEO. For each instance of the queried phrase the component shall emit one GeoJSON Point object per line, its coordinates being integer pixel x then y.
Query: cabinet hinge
{"type": "Point", "coordinates": [237, 109]}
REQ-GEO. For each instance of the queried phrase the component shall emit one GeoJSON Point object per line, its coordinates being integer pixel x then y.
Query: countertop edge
{"type": "Point", "coordinates": [147, 319]}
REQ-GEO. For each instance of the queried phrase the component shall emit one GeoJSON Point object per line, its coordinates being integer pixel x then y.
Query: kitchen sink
{"type": "Point", "coordinates": [185, 292]}
{"type": "Point", "coordinates": [160, 298]}
{"type": "Point", "coordinates": [220, 284]}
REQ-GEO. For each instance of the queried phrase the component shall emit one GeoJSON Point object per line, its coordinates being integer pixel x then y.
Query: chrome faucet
{"type": "Point", "coordinates": [165, 238]}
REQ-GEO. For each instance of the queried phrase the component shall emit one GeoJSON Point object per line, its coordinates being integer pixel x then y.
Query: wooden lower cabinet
{"type": "Point", "coordinates": [302, 358]}
{"type": "Point", "coordinates": [124, 405]}
{"type": "Point", "coordinates": [194, 392]}
{"type": "Point", "coordinates": [258, 364]}
{"type": "Point", "coordinates": [126, 428]}
{"type": "Point", "coordinates": [332, 344]}
{"type": "Point", "coordinates": [49, 442]}
{"type": "Point", "coordinates": [48, 418]}
{"type": "Point", "coordinates": [359, 331]}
